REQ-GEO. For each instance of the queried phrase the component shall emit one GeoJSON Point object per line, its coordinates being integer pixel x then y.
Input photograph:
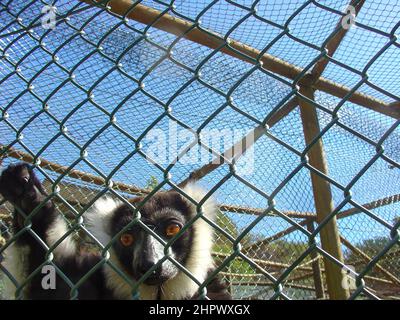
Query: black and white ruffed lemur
{"type": "Point", "coordinates": [134, 252]}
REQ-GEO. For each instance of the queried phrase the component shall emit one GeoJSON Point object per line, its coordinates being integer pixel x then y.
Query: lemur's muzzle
{"type": "Point", "coordinates": [152, 252]}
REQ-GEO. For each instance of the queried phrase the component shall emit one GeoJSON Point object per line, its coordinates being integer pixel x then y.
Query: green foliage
{"type": "Point", "coordinates": [151, 183]}
{"type": "Point", "coordinates": [372, 247]}
{"type": "Point", "coordinates": [281, 251]}
{"type": "Point", "coordinates": [2, 285]}
{"type": "Point", "coordinates": [227, 224]}
{"type": "Point", "coordinates": [224, 245]}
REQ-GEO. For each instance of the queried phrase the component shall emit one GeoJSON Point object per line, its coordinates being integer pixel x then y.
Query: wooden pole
{"type": "Point", "coordinates": [368, 259]}
{"type": "Point", "coordinates": [317, 272]}
{"type": "Point", "coordinates": [329, 234]}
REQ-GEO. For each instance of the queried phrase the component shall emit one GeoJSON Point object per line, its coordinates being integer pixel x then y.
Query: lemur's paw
{"type": "Point", "coordinates": [18, 181]}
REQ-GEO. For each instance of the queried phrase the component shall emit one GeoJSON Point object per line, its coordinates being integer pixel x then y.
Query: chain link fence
{"type": "Point", "coordinates": [307, 93]}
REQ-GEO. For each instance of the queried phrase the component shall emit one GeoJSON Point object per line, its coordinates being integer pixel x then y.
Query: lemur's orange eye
{"type": "Point", "coordinates": [126, 239]}
{"type": "Point", "coordinates": [172, 230]}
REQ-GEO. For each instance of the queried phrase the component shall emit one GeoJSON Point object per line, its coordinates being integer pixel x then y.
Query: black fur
{"type": "Point", "coordinates": [20, 186]}
{"type": "Point", "coordinates": [157, 213]}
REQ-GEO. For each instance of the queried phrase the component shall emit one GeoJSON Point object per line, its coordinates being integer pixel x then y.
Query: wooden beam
{"type": "Point", "coordinates": [334, 42]}
{"type": "Point", "coordinates": [330, 240]}
{"type": "Point", "coordinates": [243, 145]}
{"type": "Point", "coordinates": [73, 173]}
{"type": "Point", "coordinates": [260, 211]}
{"type": "Point", "coordinates": [274, 237]}
{"type": "Point", "coordinates": [341, 215]}
{"type": "Point", "coordinates": [368, 259]}
{"type": "Point", "coordinates": [370, 205]}
{"type": "Point", "coordinates": [271, 264]}
{"type": "Point", "coordinates": [96, 180]}
{"type": "Point", "coordinates": [210, 39]}
{"type": "Point", "coordinates": [268, 283]}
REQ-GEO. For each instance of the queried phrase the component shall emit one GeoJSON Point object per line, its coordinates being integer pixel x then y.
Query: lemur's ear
{"type": "Point", "coordinates": [194, 191]}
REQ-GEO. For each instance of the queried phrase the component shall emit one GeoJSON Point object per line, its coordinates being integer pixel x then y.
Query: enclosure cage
{"type": "Point", "coordinates": [287, 112]}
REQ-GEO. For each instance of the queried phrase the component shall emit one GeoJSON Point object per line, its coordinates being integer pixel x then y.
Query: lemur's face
{"type": "Point", "coordinates": [165, 213]}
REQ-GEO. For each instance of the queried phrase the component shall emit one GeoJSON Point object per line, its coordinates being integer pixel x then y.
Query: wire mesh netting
{"type": "Point", "coordinates": [86, 100]}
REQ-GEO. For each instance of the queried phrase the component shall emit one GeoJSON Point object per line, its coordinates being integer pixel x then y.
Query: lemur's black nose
{"type": "Point", "coordinates": [146, 265]}
{"type": "Point", "coordinates": [155, 277]}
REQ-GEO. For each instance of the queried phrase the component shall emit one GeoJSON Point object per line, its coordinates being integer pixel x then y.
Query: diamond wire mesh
{"type": "Point", "coordinates": [85, 94]}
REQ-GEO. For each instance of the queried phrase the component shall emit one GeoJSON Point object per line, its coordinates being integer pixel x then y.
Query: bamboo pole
{"type": "Point", "coordinates": [2, 242]}
{"type": "Point", "coordinates": [265, 283]}
{"type": "Point", "coordinates": [300, 277]}
{"type": "Point", "coordinates": [5, 217]}
{"type": "Point", "coordinates": [329, 234]}
{"type": "Point", "coordinates": [188, 30]}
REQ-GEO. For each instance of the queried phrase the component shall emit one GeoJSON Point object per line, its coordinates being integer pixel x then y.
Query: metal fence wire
{"type": "Point", "coordinates": [308, 93]}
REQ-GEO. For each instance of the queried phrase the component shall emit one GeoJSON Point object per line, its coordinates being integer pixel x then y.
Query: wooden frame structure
{"type": "Point", "coordinates": [308, 82]}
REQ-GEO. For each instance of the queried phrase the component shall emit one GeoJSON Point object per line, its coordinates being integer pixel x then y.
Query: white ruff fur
{"type": "Point", "coordinates": [65, 248]}
{"type": "Point", "coordinates": [16, 256]}
{"type": "Point", "coordinates": [198, 263]}
{"type": "Point", "coordinates": [98, 218]}
{"type": "Point", "coordinates": [15, 261]}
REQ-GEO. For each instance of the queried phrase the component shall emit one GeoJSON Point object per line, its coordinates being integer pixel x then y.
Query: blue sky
{"type": "Point", "coordinates": [257, 96]}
